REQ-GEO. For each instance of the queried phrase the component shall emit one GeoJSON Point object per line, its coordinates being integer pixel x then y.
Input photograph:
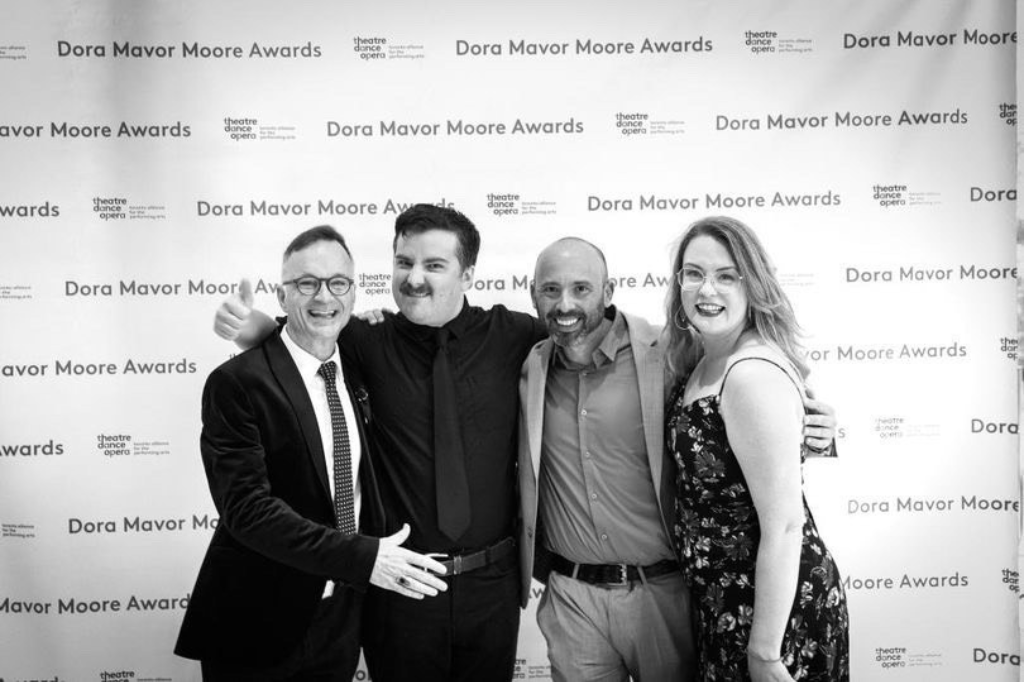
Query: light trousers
{"type": "Point", "coordinates": [598, 633]}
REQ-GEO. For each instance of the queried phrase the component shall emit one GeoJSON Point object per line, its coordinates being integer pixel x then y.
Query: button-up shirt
{"type": "Point", "coordinates": [486, 350]}
{"type": "Point", "coordinates": [597, 499]}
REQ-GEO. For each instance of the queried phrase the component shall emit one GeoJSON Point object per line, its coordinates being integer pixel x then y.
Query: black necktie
{"type": "Point", "coordinates": [344, 506]}
{"type": "Point", "coordinates": [449, 460]}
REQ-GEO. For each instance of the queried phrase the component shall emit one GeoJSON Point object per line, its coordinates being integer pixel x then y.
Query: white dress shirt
{"type": "Point", "coordinates": [308, 366]}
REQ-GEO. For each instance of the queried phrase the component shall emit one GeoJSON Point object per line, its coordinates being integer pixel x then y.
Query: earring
{"type": "Point", "coordinates": [680, 321]}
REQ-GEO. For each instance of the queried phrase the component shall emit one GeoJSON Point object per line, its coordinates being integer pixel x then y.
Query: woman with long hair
{"type": "Point", "coordinates": [769, 600]}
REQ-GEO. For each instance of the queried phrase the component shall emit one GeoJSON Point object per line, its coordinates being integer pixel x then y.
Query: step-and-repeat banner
{"type": "Point", "coordinates": [152, 154]}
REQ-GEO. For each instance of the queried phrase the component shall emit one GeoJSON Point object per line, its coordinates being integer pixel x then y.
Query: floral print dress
{"type": "Point", "coordinates": [717, 535]}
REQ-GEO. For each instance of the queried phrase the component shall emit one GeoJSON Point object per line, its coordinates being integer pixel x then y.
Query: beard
{"type": "Point", "coordinates": [580, 332]}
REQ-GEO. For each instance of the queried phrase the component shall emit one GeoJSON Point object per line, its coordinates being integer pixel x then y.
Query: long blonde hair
{"type": "Point", "coordinates": [770, 311]}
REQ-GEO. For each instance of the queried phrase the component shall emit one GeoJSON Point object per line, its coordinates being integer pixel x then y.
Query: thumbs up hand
{"type": "Point", "coordinates": [233, 313]}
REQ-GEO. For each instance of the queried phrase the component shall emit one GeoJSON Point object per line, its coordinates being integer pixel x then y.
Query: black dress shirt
{"type": "Point", "coordinates": [396, 357]}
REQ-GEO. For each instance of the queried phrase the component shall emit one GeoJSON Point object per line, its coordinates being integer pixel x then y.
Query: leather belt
{"type": "Point", "coordinates": [611, 574]}
{"type": "Point", "coordinates": [471, 561]}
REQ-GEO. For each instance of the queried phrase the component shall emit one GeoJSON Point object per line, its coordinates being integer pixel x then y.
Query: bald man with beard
{"type": "Point", "coordinates": [596, 487]}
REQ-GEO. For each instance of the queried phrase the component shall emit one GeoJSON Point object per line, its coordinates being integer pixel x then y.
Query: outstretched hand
{"type": "Point", "coordinates": [404, 571]}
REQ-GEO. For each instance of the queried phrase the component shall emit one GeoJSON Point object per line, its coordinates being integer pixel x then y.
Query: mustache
{"type": "Point", "coordinates": [578, 314]}
{"type": "Point", "coordinates": [410, 290]}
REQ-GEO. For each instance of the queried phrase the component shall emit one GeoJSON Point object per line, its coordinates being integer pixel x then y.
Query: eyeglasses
{"type": "Point", "coordinates": [691, 279]}
{"type": "Point", "coordinates": [310, 286]}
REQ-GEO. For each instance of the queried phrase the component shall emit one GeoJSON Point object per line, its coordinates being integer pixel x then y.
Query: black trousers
{"type": "Point", "coordinates": [467, 634]}
{"type": "Point", "coordinates": [329, 652]}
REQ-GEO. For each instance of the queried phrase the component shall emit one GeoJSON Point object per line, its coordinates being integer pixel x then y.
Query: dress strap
{"type": "Point", "coordinates": [786, 368]}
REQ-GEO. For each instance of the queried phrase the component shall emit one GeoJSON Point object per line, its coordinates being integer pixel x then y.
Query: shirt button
{"type": "Point", "coordinates": [583, 412]}
{"type": "Point", "coordinates": [604, 536]}
{"type": "Point", "coordinates": [587, 454]}
{"type": "Point", "coordinates": [593, 496]}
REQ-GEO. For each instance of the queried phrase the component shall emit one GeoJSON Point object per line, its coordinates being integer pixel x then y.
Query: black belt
{"type": "Point", "coordinates": [471, 561]}
{"type": "Point", "coordinates": [611, 574]}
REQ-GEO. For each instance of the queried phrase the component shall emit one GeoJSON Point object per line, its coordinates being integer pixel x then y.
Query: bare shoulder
{"type": "Point", "coordinates": [759, 386]}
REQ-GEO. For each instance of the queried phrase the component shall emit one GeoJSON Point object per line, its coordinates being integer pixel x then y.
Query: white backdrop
{"type": "Point", "coordinates": [151, 154]}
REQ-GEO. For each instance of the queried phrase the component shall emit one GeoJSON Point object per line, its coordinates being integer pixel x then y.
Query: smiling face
{"type": "Point", "coordinates": [716, 312]}
{"type": "Point", "coordinates": [428, 281]}
{"type": "Point", "coordinates": [314, 321]}
{"type": "Point", "coordinates": [571, 292]}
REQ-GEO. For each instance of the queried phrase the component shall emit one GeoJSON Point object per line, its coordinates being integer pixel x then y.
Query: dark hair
{"type": "Point", "coordinates": [421, 218]}
{"type": "Point", "coordinates": [320, 233]}
{"type": "Point", "coordinates": [771, 313]}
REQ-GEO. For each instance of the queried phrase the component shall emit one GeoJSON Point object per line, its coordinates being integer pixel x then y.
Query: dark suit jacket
{"type": "Point", "coordinates": [276, 544]}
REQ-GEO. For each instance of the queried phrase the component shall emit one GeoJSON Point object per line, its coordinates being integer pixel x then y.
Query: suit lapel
{"type": "Point", "coordinates": [536, 380]}
{"type": "Point", "coordinates": [287, 375]}
{"type": "Point", "coordinates": [650, 371]}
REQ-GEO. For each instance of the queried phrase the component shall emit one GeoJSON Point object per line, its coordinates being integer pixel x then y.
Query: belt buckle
{"type": "Point", "coordinates": [457, 564]}
{"type": "Point", "coordinates": [623, 575]}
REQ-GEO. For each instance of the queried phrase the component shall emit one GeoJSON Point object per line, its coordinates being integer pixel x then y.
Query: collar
{"type": "Point", "coordinates": [614, 340]}
{"type": "Point", "coordinates": [308, 363]}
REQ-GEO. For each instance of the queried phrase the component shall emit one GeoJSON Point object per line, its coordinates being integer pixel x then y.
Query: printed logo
{"type": "Point", "coordinates": [907, 581]}
{"type": "Point", "coordinates": [896, 657]}
{"type": "Point", "coordinates": [375, 283]}
{"type": "Point", "coordinates": [912, 505]}
{"type": "Point", "coordinates": [78, 606]}
{"type": "Point", "coordinates": [250, 128]}
{"type": "Point", "coordinates": [920, 273]}
{"type": "Point", "coordinates": [195, 50]}
{"type": "Point", "coordinates": [118, 208]}
{"type": "Point", "coordinates": [885, 353]}
{"type": "Point", "coordinates": [912, 39]}
{"type": "Point", "coordinates": [995, 657]}
{"type": "Point", "coordinates": [378, 48]}
{"type": "Point", "coordinates": [454, 128]}
{"type": "Point", "coordinates": [991, 195]}
{"type": "Point", "coordinates": [137, 524]}
{"type": "Point", "coordinates": [839, 119]}
{"type": "Point", "coordinates": [319, 207]}
{"type": "Point", "coordinates": [762, 42]}
{"type": "Point", "coordinates": [15, 292]}
{"type": "Point", "coordinates": [21, 531]}
{"type": "Point", "coordinates": [897, 427]}
{"type": "Point", "coordinates": [123, 445]}
{"type": "Point", "coordinates": [897, 195]}
{"type": "Point", "coordinates": [13, 53]}
{"type": "Point", "coordinates": [43, 210]}
{"type": "Point", "coordinates": [1008, 112]}
{"type": "Point", "coordinates": [982, 426]}
{"type": "Point", "coordinates": [1009, 346]}
{"type": "Point", "coordinates": [72, 368]}
{"type": "Point", "coordinates": [110, 209]}
{"type": "Point", "coordinates": [47, 449]}
{"type": "Point", "coordinates": [579, 46]}
{"type": "Point", "coordinates": [123, 129]}
{"type": "Point", "coordinates": [503, 204]}
{"type": "Point", "coordinates": [653, 202]}
{"type": "Point", "coordinates": [638, 123]}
